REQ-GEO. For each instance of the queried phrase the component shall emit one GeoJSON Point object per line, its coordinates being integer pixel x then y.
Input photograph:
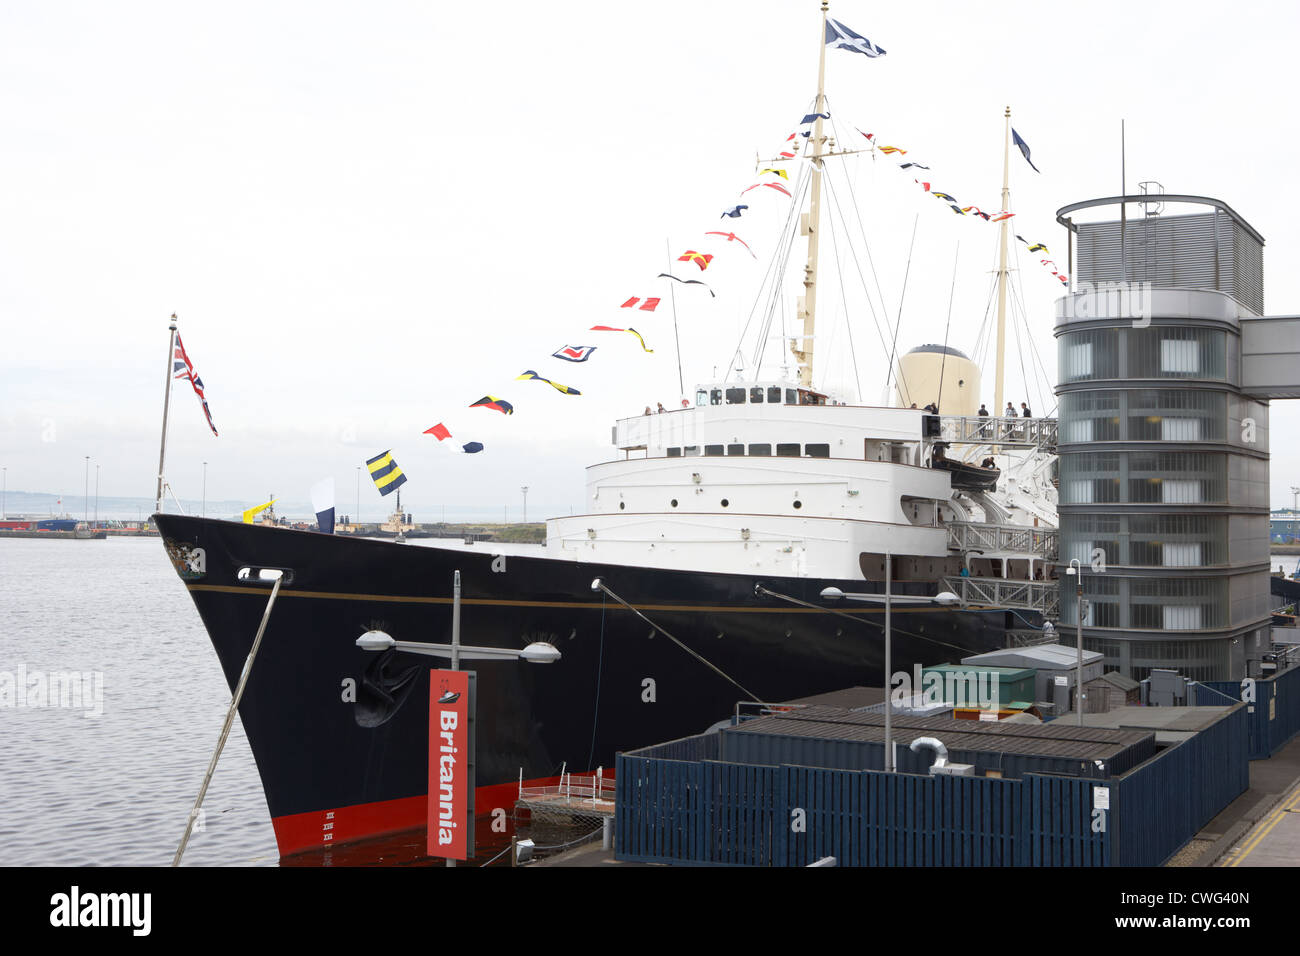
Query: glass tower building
{"type": "Point", "coordinates": [1164, 490]}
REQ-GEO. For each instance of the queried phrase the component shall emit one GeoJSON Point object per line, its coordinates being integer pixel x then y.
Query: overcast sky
{"type": "Point", "coordinates": [368, 217]}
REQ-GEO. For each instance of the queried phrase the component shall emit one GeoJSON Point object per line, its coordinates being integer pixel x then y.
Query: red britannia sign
{"type": "Point", "coordinates": [451, 822]}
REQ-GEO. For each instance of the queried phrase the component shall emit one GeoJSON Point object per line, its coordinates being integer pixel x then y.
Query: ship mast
{"type": "Point", "coordinates": [1002, 264]}
{"type": "Point", "coordinates": [811, 223]}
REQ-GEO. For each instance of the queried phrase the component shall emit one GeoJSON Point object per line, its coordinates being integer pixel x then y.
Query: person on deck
{"type": "Point", "coordinates": [1025, 412]}
{"type": "Point", "coordinates": [1010, 412]}
{"type": "Point", "coordinates": [983, 412]}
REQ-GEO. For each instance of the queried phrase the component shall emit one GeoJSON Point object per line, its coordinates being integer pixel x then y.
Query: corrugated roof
{"type": "Point", "coordinates": [1051, 656]}
{"type": "Point", "coordinates": [1162, 718]}
{"type": "Point", "coordinates": [1054, 739]}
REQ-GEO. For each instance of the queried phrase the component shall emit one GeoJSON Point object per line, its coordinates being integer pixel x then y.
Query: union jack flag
{"type": "Point", "coordinates": [182, 367]}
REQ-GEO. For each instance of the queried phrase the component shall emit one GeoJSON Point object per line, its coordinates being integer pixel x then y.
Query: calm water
{"type": "Point", "coordinates": [117, 789]}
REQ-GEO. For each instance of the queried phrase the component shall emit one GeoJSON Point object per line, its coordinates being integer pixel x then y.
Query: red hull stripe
{"type": "Point", "coordinates": [322, 829]}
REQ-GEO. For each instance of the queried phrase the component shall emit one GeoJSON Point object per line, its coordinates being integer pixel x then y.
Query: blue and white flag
{"type": "Point", "coordinates": [806, 124]}
{"type": "Point", "coordinates": [322, 502]}
{"type": "Point", "coordinates": [1024, 148]}
{"type": "Point", "coordinates": [842, 38]}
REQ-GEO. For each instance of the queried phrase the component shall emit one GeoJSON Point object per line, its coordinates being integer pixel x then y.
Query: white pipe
{"type": "Point", "coordinates": [940, 751]}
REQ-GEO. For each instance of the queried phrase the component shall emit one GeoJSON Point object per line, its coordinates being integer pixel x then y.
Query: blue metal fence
{"type": "Point", "coordinates": [1158, 807]}
{"type": "Point", "coordinates": [1275, 715]}
{"type": "Point", "coordinates": [675, 807]}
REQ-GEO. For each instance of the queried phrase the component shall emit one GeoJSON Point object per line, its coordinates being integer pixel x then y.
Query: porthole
{"type": "Point", "coordinates": [673, 502]}
{"type": "Point", "coordinates": [622, 505]}
{"type": "Point", "coordinates": [725, 502]}
{"type": "Point", "coordinates": [798, 503]}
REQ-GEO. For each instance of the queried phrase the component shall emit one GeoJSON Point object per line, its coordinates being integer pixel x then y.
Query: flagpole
{"type": "Point", "coordinates": [812, 226]}
{"type": "Point", "coordinates": [167, 398]}
{"type": "Point", "coordinates": [1002, 267]}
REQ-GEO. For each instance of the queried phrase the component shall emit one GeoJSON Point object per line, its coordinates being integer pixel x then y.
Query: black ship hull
{"type": "Point", "coordinates": [340, 734]}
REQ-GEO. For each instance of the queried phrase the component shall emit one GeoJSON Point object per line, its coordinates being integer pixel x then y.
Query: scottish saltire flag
{"type": "Point", "coordinates": [733, 211]}
{"type": "Point", "coordinates": [531, 376]}
{"type": "Point", "coordinates": [385, 473]}
{"type": "Point", "coordinates": [497, 404]}
{"type": "Point", "coordinates": [182, 367]}
{"type": "Point", "coordinates": [1024, 149]}
{"type": "Point", "coordinates": [574, 353]}
{"type": "Point", "coordinates": [322, 502]}
{"type": "Point", "coordinates": [840, 37]}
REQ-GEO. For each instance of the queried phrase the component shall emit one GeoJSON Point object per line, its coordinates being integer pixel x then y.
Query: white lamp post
{"type": "Point", "coordinates": [945, 598]}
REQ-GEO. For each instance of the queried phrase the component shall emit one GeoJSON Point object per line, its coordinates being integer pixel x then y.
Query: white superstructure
{"type": "Point", "coordinates": [765, 478]}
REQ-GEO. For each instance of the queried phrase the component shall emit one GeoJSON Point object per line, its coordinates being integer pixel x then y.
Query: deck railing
{"type": "Point", "coordinates": [1001, 539]}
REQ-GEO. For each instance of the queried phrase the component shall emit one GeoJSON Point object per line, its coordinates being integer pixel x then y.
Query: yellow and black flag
{"type": "Point", "coordinates": [530, 375]}
{"type": "Point", "coordinates": [387, 476]}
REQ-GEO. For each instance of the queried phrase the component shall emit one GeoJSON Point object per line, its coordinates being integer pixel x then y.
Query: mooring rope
{"type": "Point", "coordinates": [230, 719]}
{"type": "Point", "coordinates": [599, 584]}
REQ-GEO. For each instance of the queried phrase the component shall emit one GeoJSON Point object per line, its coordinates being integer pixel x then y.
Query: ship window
{"type": "Point", "coordinates": [735, 449]}
{"type": "Point", "coordinates": [713, 451]}
{"type": "Point", "coordinates": [760, 449]}
{"type": "Point", "coordinates": [701, 397]}
{"type": "Point", "coordinates": [798, 503]}
{"type": "Point", "coordinates": [790, 397]}
{"type": "Point", "coordinates": [774, 394]}
{"type": "Point", "coordinates": [756, 395]}
{"type": "Point", "coordinates": [817, 451]}
{"type": "Point", "coordinates": [673, 502]}
{"type": "Point", "coordinates": [691, 451]}
{"type": "Point", "coordinates": [735, 396]}
{"type": "Point", "coordinates": [674, 453]}
{"type": "Point", "coordinates": [790, 450]}
{"type": "Point", "coordinates": [725, 502]}
{"type": "Point", "coordinates": [715, 396]}
{"type": "Point", "coordinates": [622, 505]}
